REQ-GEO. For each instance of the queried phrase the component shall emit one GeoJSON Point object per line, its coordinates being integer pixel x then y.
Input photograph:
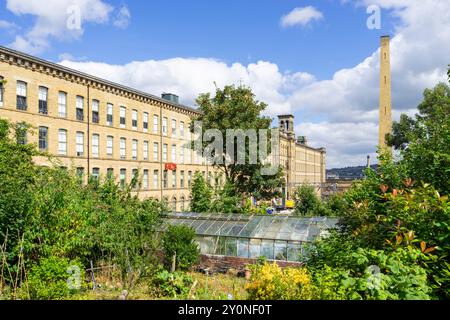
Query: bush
{"type": "Point", "coordinates": [270, 282]}
{"type": "Point", "coordinates": [374, 275]}
{"type": "Point", "coordinates": [180, 240]}
{"type": "Point", "coordinates": [49, 279]}
{"type": "Point", "coordinates": [306, 200]}
{"type": "Point", "coordinates": [172, 284]}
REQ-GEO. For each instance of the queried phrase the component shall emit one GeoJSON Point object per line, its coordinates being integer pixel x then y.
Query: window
{"type": "Point", "coordinates": [62, 142]}
{"type": "Point", "coordinates": [174, 128]}
{"type": "Point", "coordinates": [123, 177]}
{"type": "Point", "coordinates": [182, 205]}
{"type": "Point", "coordinates": [174, 179]}
{"type": "Point", "coordinates": [21, 133]}
{"type": "Point", "coordinates": [174, 153]}
{"type": "Point", "coordinates": [43, 107]}
{"type": "Point", "coordinates": [145, 151]}
{"type": "Point", "coordinates": [95, 111]}
{"type": "Point", "coordinates": [134, 149]}
{"type": "Point", "coordinates": [174, 204]}
{"type": "Point", "coordinates": [155, 179]}
{"type": "Point", "coordinates": [80, 173]}
{"type": "Point", "coordinates": [1, 91]}
{"type": "Point", "coordinates": [134, 119]}
{"type": "Point", "coordinates": [165, 174]}
{"type": "Point", "coordinates": [95, 145]}
{"type": "Point", "coordinates": [189, 178]}
{"type": "Point", "coordinates": [21, 92]}
{"type": "Point", "coordinates": [164, 126]}
{"type": "Point", "coordinates": [109, 114]}
{"type": "Point", "coordinates": [182, 154]}
{"type": "Point", "coordinates": [62, 104]}
{"type": "Point", "coordinates": [80, 108]}
{"type": "Point", "coordinates": [155, 151]}
{"type": "Point", "coordinates": [181, 129]}
{"type": "Point", "coordinates": [110, 173]}
{"type": "Point", "coordinates": [95, 174]}
{"type": "Point", "coordinates": [80, 144]}
{"type": "Point", "coordinates": [182, 179]}
{"type": "Point", "coordinates": [145, 122]}
{"type": "Point", "coordinates": [164, 156]}
{"type": "Point", "coordinates": [145, 180]}
{"type": "Point", "coordinates": [123, 112]}
{"type": "Point", "coordinates": [43, 138]}
{"type": "Point", "coordinates": [109, 145]}
{"type": "Point", "coordinates": [134, 179]}
{"type": "Point", "coordinates": [123, 148]}
{"type": "Point", "coordinates": [155, 124]}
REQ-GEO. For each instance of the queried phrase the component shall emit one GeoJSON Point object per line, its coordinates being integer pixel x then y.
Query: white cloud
{"type": "Point", "coordinates": [9, 26]}
{"type": "Point", "coordinates": [340, 113]}
{"type": "Point", "coordinates": [301, 16]}
{"type": "Point", "coordinates": [52, 18]}
{"type": "Point", "coordinates": [123, 18]}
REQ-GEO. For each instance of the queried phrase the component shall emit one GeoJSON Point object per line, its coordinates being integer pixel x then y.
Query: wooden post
{"type": "Point", "coordinates": [94, 285]}
{"type": "Point", "coordinates": [174, 262]}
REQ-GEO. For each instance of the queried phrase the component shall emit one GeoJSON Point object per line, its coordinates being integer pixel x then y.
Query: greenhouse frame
{"type": "Point", "coordinates": [253, 236]}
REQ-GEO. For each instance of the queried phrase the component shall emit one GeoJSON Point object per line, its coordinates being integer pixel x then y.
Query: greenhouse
{"type": "Point", "coordinates": [273, 237]}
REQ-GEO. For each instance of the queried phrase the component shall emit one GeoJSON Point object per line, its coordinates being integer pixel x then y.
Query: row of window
{"type": "Point", "coordinates": [177, 129]}
{"type": "Point", "coordinates": [178, 155]}
{"type": "Point", "coordinates": [181, 181]}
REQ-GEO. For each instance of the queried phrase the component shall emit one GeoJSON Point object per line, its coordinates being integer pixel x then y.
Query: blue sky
{"type": "Point", "coordinates": [315, 59]}
{"type": "Point", "coordinates": [232, 31]}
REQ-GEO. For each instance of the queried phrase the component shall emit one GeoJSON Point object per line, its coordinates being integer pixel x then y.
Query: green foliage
{"type": "Point", "coordinates": [425, 140]}
{"type": "Point", "coordinates": [225, 200]}
{"type": "Point", "coordinates": [236, 108]}
{"type": "Point", "coordinates": [48, 279]}
{"type": "Point", "coordinates": [174, 285]}
{"type": "Point", "coordinates": [306, 200]}
{"type": "Point", "coordinates": [45, 211]}
{"type": "Point", "coordinates": [179, 240]}
{"type": "Point", "coordinates": [201, 193]}
{"type": "Point", "coordinates": [375, 275]}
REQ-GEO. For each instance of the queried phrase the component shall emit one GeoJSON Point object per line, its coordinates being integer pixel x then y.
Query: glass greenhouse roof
{"type": "Point", "coordinates": [281, 228]}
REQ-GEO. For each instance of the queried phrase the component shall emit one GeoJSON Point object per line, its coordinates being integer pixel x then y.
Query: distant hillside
{"type": "Point", "coordinates": [349, 173]}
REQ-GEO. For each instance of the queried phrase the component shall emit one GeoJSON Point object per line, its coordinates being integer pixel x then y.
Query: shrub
{"type": "Point", "coordinates": [306, 200]}
{"type": "Point", "coordinates": [49, 279]}
{"type": "Point", "coordinates": [201, 193]}
{"type": "Point", "coordinates": [172, 284]}
{"type": "Point", "coordinates": [375, 275]}
{"type": "Point", "coordinates": [270, 282]}
{"type": "Point", "coordinates": [179, 240]}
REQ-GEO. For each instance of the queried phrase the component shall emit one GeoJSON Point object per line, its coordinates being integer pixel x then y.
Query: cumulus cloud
{"type": "Point", "coordinates": [123, 18]}
{"type": "Point", "coordinates": [301, 17]}
{"type": "Point", "coordinates": [8, 26]}
{"type": "Point", "coordinates": [56, 19]}
{"type": "Point", "coordinates": [340, 113]}
{"type": "Point", "coordinates": [188, 77]}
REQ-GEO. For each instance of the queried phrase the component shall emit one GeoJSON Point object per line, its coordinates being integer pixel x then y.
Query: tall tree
{"type": "Point", "coordinates": [425, 139]}
{"type": "Point", "coordinates": [201, 193]}
{"type": "Point", "coordinates": [236, 108]}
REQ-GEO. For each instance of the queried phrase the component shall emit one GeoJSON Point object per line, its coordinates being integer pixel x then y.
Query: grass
{"type": "Point", "coordinates": [216, 287]}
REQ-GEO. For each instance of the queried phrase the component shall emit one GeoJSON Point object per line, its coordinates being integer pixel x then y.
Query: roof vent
{"type": "Point", "coordinates": [170, 97]}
